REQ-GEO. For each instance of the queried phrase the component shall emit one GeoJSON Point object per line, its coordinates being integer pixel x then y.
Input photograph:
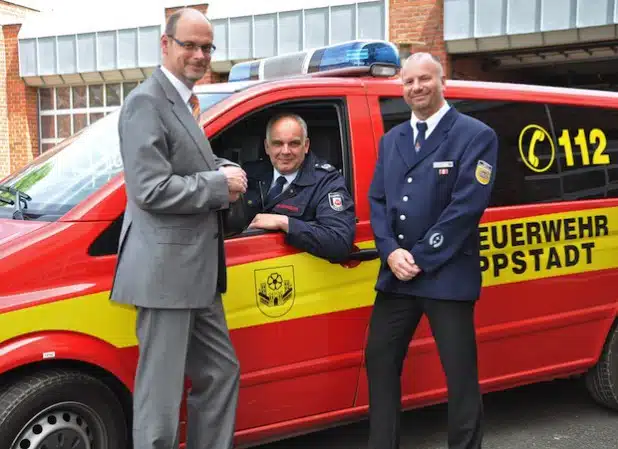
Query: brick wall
{"type": "Point", "coordinates": [417, 25]}
{"type": "Point", "coordinates": [23, 135]}
{"type": "Point", "coordinates": [5, 156]}
{"type": "Point", "coordinates": [18, 108]}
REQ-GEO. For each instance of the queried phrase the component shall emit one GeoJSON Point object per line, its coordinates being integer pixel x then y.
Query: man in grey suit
{"type": "Point", "coordinates": [171, 262]}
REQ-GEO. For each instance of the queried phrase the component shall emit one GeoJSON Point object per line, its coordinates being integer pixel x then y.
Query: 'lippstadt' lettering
{"type": "Point", "coordinates": [543, 232]}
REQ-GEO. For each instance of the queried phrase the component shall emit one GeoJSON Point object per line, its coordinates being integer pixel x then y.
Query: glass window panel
{"type": "Point", "coordinates": [106, 50]}
{"type": "Point", "coordinates": [47, 55]}
{"type": "Point", "coordinates": [27, 57]}
{"type": "Point", "coordinates": [127, 48]}
{"type": "Point", "coordinates": [47, 99]}
{"type": "Point", "coordinates": [80, 121]}
{"type": "Point", "coordinates": [48, 127]}
{"type": "Point", "coordinates": [79, 97]}
{"type": "Point", "coordinates": [112, 94]}
{"type": "Point", "coordinates": [149, 49]}
{"type": "Point", "coordinates": [63, 97]}
{"type": "Point", "coordinates": [592, 137]}
{"type": "Point", "coordinates": [220, 29]}
{"type": "Point", "coordinates": [240, 38]}
{"type": "Point", "coordinates": [66, 54]}
{"type": "Point", "coordinates": [47, 146]}
{"type": "Point", "coordinates": [371, 21]}
{"type": "Point", "coordinates": [316, 27]}
{"type": "Point", "coordinates": [290, 27]}
{"type": "Point", "coordinates": [128, 87]}
{"type": "Point", "coordinates": [342, 25]}
{"type": "Point", "coordinates": [96, 95]}
{"type": "Point", "coordinates": [64, 125]}
{"type": "Point", "coordinates": [86, 52]}
{"type": "Point", "coordinates": [265, 36]}
{"type": "Point", "coordinates": [95, 116]}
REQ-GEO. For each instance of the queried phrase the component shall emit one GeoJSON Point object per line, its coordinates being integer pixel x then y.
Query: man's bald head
{"type": "Point", "coordinates": [190, 13]}
{"type": "Point", "coordinates": [423, 84]}
{"type": "Point", "coordinates": [423, 57]}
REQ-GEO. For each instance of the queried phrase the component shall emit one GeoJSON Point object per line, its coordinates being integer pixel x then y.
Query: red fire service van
{"type": "Point", "coordinates": [549, 247]}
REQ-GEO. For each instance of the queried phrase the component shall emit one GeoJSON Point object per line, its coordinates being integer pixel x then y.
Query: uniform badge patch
{"type": "Point", "coordinates": [483, 172]}
{"type": "Point", "coordinates": [335, 200]}
{"type": "Point", "coordinates": [436, 239]}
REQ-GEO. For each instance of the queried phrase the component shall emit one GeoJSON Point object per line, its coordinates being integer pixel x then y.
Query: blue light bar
{"type": "Point", "coordinates": [245, 71]}
{"type": "Point", "coordinates": [353, 54]}
{"type": "Point", "coordinates": [353, 57]}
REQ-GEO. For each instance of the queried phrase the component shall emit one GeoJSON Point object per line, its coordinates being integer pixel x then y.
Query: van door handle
{"type": "Point", "coordinates": [364, 255]}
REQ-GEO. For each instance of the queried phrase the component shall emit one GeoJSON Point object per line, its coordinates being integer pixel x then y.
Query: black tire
{"type": "Point", "coordinates": [602, 379]}
{"type": "Point", "coordinates": [67, 408]}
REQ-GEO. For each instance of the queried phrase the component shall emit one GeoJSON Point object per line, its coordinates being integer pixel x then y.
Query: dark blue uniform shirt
{"type": "Point", "coordinates": [320, 209]}
{"type": "Point", "coordinates": [431, 203]}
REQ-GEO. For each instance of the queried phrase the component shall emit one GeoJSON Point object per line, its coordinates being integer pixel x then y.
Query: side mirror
{"type": "Point", "coordinates": [235, 218]}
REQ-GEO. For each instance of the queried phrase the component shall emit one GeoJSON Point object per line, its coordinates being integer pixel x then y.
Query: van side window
{"type": "Point", "coordinates": [526, 172]}
{"type": "Point", "coordinates": [243, 142]}
{"type": "Point", "coordinates": [394, 111]}
{"type": "Point", "coordinates": [547, 153]}
{"type": "Point", "coordinates": [587, 149]}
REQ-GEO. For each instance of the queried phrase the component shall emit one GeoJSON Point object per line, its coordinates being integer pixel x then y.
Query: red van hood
{"type": "Point", "coordinates": [12, 229]}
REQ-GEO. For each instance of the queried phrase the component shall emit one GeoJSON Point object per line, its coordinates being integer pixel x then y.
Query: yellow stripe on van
{"type": "Point", "coordinates": [300, 285]}
{"type": "Point", "coordinates": [262, 292]}
{"type": "Point", "coordinates": [549, 245]}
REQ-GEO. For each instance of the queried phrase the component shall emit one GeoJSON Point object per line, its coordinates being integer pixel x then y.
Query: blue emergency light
{"type": "Point", "coordinates": [379, 58]}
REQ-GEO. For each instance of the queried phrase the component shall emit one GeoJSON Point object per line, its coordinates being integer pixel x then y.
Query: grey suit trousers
{"type": "Point", "coordinates": [172, 342]}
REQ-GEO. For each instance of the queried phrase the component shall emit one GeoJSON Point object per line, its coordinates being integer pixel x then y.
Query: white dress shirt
{"type": "Point", "coordinates": [432, 121]}
{"type": "Point", "coordinates": [288, 178]}
{"type": "Point", "coordinates": [183, 90]}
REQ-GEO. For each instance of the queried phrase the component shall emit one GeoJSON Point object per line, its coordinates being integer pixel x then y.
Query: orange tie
{"type": "Point", "coordinates": [195, 106]}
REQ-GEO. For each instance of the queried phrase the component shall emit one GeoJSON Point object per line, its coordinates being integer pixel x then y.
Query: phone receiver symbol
{"type": "Point", "coordinates": [536, 137]}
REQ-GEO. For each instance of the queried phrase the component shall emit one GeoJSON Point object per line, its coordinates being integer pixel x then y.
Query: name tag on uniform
{"type": "Point", "coordinates": [443, 164]}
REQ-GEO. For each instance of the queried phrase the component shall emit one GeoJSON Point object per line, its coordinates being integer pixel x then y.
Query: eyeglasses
{"type": "Point", "coordinates": [207, 49]}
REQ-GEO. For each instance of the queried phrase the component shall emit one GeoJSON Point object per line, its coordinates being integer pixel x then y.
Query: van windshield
{"type": "Point", "coordinates": [78, 166]}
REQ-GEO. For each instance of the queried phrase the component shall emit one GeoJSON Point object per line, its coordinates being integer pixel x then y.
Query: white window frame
{"type": "Point", "coordinates": [71, 111]}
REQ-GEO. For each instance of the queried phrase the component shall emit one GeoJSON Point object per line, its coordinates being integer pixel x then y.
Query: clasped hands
{"type": "Point", "coordinates": [402, 264]}
{"type": "Point", "coordinates": [236, 181]}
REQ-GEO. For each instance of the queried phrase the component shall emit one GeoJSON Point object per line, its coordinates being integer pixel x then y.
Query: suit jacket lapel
{"type": "Point", "coordinates": [185, 118]}
{"type": "Point", "coordinates": [437, 136]}
{"type": "Point", "coordinates": [405, 145]}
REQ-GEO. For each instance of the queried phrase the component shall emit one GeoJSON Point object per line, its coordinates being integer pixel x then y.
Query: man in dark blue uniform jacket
{"type": "Point", "coordinates": [432, 182]}
{"type": "Point", "coordinates": [300, 195]}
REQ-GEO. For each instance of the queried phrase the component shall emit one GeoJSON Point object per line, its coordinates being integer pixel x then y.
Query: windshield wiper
{"type": "Point", "coordinates": [19, 197]}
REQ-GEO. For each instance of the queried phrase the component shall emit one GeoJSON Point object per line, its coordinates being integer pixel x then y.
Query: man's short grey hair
{"type": "Point", "coordinates": [283, 115]}
{"type": "Point", "coordinates": [423, 56]}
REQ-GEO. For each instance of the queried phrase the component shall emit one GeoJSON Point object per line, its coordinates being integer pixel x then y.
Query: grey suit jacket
{"type": "Point", "coordinates": [171, 245]}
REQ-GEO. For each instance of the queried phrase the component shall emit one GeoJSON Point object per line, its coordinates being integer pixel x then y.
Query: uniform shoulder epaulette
{"type": "Point", "coordinates": [324, 166]}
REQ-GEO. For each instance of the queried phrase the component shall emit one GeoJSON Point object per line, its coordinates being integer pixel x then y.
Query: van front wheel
{"type": "Point", "coordinates": [61, 409]}
{"type": "Point", "coordinates": [602, 379]}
